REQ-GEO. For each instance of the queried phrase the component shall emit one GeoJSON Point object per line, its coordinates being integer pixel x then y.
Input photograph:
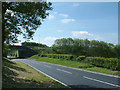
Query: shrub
{"type": "Point", "coordinates": [80, 58]}
{"type": "Point", "coordinates": [43, 55]}
{"type": "Point", "coordinates": [111, 63]}
{"type": "Point", "coordinates": [86, 66]}
{"type": "Point", "coordinates": [60, 56]}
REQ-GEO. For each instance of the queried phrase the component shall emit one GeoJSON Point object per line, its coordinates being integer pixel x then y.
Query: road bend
{"type": "Point", "coordinates": [73, 77]}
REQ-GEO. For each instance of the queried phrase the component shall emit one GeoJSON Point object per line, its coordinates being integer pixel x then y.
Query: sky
{"type": "Point", "coordinates": [83, 20]}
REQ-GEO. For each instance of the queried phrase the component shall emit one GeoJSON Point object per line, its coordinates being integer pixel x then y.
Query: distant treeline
{"type": "Point", "coordinates": [85, 47]}
{"type": "Point", "coordinates": [33, 44]}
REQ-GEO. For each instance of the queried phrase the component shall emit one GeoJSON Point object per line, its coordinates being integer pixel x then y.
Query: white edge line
{"type": "Point", "coordinates": [101, 81]}
{"type": "Point", "coordinates": [83, 70]}
{"type": "Point", "coordinates": [48, 75]}
{"type": "Point", "coordinates": [73, 68]}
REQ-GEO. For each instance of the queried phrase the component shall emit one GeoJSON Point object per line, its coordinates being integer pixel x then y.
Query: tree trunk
{"type": "Point", "coordinates": [4, 8]}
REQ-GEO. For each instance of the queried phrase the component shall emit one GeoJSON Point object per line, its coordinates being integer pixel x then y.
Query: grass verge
{"type": "Point", "coordinates": [19, 75]}
{"type": "Point", "coordinates": [75, 64]}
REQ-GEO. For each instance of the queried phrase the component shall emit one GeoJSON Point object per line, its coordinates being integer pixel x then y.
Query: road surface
{"type": "Point", "coordinates": [74, 78]}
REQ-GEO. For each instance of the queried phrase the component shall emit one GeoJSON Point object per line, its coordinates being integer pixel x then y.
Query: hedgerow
{"type": "Point", "coordinates": [60, 56]}
{"type": "Point", "coordinates": [80, 58]}
{"type": "Point", "coordinates": [111, 63]}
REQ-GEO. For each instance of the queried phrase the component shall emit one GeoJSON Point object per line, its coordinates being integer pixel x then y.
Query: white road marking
{"type": "Point", "coordinates": [48, 75]}
{"type": "Point", "coordinates": [64, 71]}
{"type": "Point", "coordinates": [79, 69]}
{"type": "Point", "coordinates": [47, 66]}
{"type": "Point", "coordinates": [101, 81]}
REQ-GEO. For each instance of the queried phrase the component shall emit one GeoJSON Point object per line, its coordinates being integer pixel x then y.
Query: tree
{"type": "Point", "coordinates": [34, 44]}
{"type": "Point", "coordinates": [5, 51]}
{"type": "Point", "coordinates": [22, 18]}
{"type": "Point", "coordinates": [85, 47]}
{"type": "Point", "coordinates": [117, 50]}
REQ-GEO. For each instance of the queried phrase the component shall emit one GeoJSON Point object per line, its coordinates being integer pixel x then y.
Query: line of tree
{"type": "Point", "coordinates": [34, 44]}
{"type": "Point", "coordinates": [86, 47]}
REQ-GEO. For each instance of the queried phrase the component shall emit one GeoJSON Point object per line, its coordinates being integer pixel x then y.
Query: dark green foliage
{"type": "Point", "coordinates": [111, 63]}
{"type": "Point", "coordinates": [85, 47]}
{"type": "Point", "coordinates": [33, 44]}
{"type": "Point", "coordinates": [60, 56]}
{"type": "Point", "coordinates": [80, 58]}
{"type": "Point", "coordinates": [12, 52]}
{"type": "Point", "coordinates": [5, 50]}
{"type": "Point", "coordinates": [22, 18]}
{"type": "Point", "coordinates": [87, 66]}
{"type": "Point", "coordinates": [43, 55]}
{"type": "Point", "coordinates": [117, 51]}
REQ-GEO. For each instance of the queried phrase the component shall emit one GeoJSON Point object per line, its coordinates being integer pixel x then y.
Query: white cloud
{"type": "Point", "coordinates": [64, 15]}
{"type": "Point", "coordinates": [50, 38]}
{"type": "Point", "coordinates": [60, 31]}
{"type": "Point", "coordinates": [81, 34]}
{"type": "Point", "coordinates": [51, 17]}
{"type": "Point", "coordinates": [76, 4]}
{"type": "Point", "coordinates": [67, 20]}
{"type": "Point", "coordinates": [55, 12]}
{"type": "Point", "coordinates": [85, 34]}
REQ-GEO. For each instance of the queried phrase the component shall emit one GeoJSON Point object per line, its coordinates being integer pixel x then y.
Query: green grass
{"type": "Point", "coordinates": [104, 70]}
{"type": "Point", "coordinates": [80, 65]}
{"type": "Point", "coordinates": [34, 57]}
{"type": "Point", "coordinates": [19, 75]}
{"type": "Point", "coordinates": [62, 62]}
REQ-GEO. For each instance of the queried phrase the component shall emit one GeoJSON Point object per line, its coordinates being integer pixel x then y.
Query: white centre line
{"type": "Point", "coordinates": [47, 66]}
{"type": "Point", "coordinates": [101, 81]}
{"type": "Point", "coordinates": [64, 71]}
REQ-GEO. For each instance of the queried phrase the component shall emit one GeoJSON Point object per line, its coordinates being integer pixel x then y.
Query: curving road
{"type": "Point", "coordinates": [72, 77]}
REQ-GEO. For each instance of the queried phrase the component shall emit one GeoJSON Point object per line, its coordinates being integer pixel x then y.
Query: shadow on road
{"type": "Point", "coordinates": [16, 58]}
{"type": "Point", "coordinates": [86, 87]}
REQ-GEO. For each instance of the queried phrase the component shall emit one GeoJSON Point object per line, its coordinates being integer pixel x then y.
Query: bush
{"type": "Point", "coordinates": [43, 55]}
{"type": "Point", "coordinates": [80, 58]}
{"type": "Point", "coordinates": [60, 56]}
{"type": "Point", "coordinates": [111, 63]}
{"type": "Point", "coordinates": [86, 66]}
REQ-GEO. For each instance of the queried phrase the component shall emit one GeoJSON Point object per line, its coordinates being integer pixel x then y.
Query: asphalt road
{"type": "Point", "coordinates": [74, 78]}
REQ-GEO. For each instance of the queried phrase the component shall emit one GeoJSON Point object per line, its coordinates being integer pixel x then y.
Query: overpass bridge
{"type": "Point", "coordinates": [23, 52]}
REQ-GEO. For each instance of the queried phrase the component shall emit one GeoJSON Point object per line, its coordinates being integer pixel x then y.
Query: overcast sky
{"type": "Point", "coordinates": [93, 20]}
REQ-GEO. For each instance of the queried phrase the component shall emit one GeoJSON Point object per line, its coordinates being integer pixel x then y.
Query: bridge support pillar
{"type": "Point", "coordinates": [17, 53]}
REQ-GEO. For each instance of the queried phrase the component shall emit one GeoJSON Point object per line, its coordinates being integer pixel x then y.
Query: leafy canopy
{"type": "Point", "coordinates": [80, 47]}
{"type": "Point", "coordinates": [22, 18]}
{"type": "Point", "coordinates": [33, 44]}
